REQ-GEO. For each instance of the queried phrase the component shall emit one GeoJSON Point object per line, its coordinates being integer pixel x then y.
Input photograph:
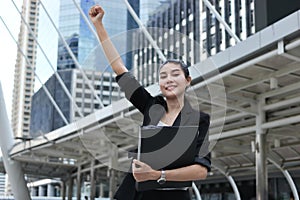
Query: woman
{"type": "Point", "coordinates": [170, 110]}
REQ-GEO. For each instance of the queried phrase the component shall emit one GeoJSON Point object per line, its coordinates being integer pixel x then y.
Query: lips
{"type": "Point", "coordinates": [170, 87]}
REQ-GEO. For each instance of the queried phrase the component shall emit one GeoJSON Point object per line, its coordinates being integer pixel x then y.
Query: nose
{"type": "Point", "coordinates": [169, 79]}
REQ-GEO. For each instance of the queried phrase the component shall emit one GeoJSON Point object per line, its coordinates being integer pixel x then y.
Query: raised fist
{"type": "Point", "coordinates": [96, 13]}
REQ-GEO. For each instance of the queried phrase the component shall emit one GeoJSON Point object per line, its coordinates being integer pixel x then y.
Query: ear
{"type": "Point", "coordinates": [188, 81]}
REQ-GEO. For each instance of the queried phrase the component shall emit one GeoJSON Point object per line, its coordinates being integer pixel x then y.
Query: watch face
{"type": "Point", "coordinates": [161, 180]}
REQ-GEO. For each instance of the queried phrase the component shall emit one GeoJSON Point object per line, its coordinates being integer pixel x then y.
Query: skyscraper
{"type": "Point", "coordinates": [148, 7]}
{"type": "Point", "coordinates": [24, 73]}
{"type": "Point", "coordinates": [80, 38]}
{"type": "Point", "coordinates": [76, 33]}
{"type": "Point", "coordinates": [44, 116]}
{"type": "Point", "coordinates": [187, 30]}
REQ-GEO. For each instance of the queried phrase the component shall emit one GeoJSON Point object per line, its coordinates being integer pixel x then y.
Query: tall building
{"type": "Point", "coordinates": [82, 42]}
{"type": "Point", "coordinates": [80, 38]}
{"type": "Point", "coordinates": [44, 116]}
{"type": "Point", "coordinates": [239, 15]}
{"type": "Point", "coordinates": [148, 7]}
{"type": "Point", "coordinates": [24, 73]}
{"type": "Point", "coordinates": [189, 31]}
{"type": "Point", "coordinates": [71, 26]}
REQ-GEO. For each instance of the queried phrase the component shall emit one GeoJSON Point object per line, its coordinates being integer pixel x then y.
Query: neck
{"type": "Point", "coordinates": [175, 104]}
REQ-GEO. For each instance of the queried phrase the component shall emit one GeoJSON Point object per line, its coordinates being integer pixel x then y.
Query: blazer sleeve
{"type": "Point", "coordinates": [134, 91]}
{"type": "Point", "coordinates": [202, 150]}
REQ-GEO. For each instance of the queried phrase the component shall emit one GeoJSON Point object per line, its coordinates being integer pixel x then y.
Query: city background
{"type": "Point", "coordinates": [68, 116]}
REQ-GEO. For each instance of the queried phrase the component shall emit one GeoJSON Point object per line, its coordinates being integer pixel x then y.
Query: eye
{"type": "Point", "coordinates": [162, 75]}
{"type": "Point", "coordinates": [176, 74]}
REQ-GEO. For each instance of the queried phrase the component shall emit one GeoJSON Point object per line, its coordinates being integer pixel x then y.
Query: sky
{"type": "Point", "coordinates": [8, 48]}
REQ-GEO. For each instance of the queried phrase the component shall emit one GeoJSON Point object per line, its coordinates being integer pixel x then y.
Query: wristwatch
{"type": "Point", "coordinates": [162, 178]}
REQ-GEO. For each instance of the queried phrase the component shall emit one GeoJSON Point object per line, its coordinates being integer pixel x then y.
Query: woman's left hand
{"type": "Point", "coordinates": [143, 172]}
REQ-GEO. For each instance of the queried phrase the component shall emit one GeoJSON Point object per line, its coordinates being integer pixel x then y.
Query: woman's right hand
{"type": "Point", "coordinates": [96, 14]}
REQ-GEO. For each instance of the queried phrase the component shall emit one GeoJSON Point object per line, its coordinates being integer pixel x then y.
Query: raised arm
{"type": "Point", "coordinates": [96, 14]}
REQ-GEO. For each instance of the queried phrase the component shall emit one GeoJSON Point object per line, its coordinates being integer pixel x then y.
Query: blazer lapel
{"type": "Point", "coordinates": [187, 117]}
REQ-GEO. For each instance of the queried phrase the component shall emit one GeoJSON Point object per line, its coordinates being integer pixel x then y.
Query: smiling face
{"type": "Point", "coordinates": [172, 80]}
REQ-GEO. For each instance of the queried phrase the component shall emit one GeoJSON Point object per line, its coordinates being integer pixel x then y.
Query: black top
{"type": "Point", "coordinates": [153, 109]}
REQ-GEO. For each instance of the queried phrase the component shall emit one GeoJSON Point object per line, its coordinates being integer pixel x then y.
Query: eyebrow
{"type": "Point", "coordinates": [173, 70]}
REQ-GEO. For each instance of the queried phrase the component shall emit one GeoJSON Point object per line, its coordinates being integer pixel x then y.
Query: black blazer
{"type": "Point", "coordinates": [153, 109]}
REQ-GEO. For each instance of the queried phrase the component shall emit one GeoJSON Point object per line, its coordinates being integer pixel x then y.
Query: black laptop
{"type": "Point", "coordinates": [166, 147]}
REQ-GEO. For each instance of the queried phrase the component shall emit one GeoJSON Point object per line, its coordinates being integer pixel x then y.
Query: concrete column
{"type": "Point", "coordinates": [12, 167]}
{"type": "Point", "coordinates": [50, 190]}
{"type": "Point", "coordinates": [101, 190]}
{"type": "Point", "coordinates": [112, 169]}
{"type": "Point", "coordinates": [70, 188]}
{"type": "Point", "coordinates": [41, 191]}
{"type": "Point", "coordinates": [112, 183]}
{"type": "Point", "coordinates": [260, 153]}
{"type": "Point", "coordinates": [93, 185]}
{"type": "Point", "coordinates": [78, 182]}
{"type": "Point", "coordinates": [63, 190]}
{"type": "Point", "coordinates": [33, 191]}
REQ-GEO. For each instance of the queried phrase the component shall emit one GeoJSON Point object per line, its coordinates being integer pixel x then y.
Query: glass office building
{"type": "Point", "coordinates": [147, 7]}
{"type": "Point", "coordinates": [187, 30]}
{"type": "Point", "coordinates": [72, 26]}
{"type": "Point", "coordinates": [85, 45]}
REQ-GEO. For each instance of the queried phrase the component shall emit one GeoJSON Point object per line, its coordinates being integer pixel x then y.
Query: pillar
{"type": "Point", "coordinates": [41, 191]}
{"type": "Point", "coordinates": [113, 163]}
{"type": "Point", "coordinates": [12, 167]}
{"type": "Point", "coordinates": [112, 182]}
{"type": "Point", "coordinates": [33, 191]}
{"type": "Point", "coordinates": [70, 188]}
{"type": "Point", "coordinates": [93, 185]}
{"type": "Point", "coordinates": [50, 190]}
{"type": "Point", "coordinates": [260, 154]}
{"type": "Point", "coordinates": [78, 182]}
{"type": "Point", "coordinates": [63, 190]}
{"type": "Point", "coordinates": [101, 190]}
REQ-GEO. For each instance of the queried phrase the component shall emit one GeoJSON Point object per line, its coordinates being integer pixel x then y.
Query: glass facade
{"type": "Point", "coordinates": [44, 116]}
{"type": "Point", "coordinates": [148, 7]}
{"type": "Point", "coordinates": [88, 53]}
{"type": "Point", "coordinates": [187, 30]}
{"type": "Point", "coordinates": [72, 26]}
